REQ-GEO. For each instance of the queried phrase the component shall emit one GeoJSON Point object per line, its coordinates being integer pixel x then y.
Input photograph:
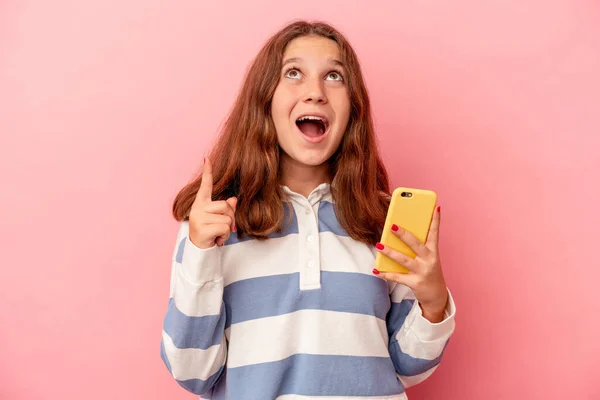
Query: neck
{"type": "Point", "coordinates": [302, 179]}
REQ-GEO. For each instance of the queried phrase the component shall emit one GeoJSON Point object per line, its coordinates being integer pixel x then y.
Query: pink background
{"type": "Point", "coordinates": [107, 108]}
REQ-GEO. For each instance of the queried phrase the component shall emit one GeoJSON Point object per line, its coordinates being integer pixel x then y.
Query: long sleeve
{"type": "Point", "coordinates": [193, 345]}
{"type": "Point", "coordinates": [416, 345]}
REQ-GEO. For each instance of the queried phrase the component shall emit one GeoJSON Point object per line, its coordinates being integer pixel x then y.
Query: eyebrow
{"type": "Point", "coordinates": [297, 59]}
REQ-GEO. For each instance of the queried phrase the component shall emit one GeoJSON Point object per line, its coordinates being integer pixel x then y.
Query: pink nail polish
{"type": "Point", "coordinates": [375, 271]}
{"type": "Point", "coordinates": [395, 228]}
{"type": "Point", "coordinates": [379, 246]}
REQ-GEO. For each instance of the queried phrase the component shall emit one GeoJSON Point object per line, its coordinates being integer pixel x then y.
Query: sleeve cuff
{"type": "Point", "coordinates": [201, 265]}
{"type": "Point", "coordinates": [427, 331]}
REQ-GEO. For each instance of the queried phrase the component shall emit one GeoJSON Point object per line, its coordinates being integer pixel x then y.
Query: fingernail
{"type": "Point", "coordinates": [439, 208]}
{"type": "Point", "coordinates": [379, 246]}
{"type": "Point", "coordinates": [395, 228]}
{"type": "Point", "coordinates": [375, 271]}
{"type": "Point", "coordinates": [235, 228]}
{"type": "Point", "coordinates": [204, 160]}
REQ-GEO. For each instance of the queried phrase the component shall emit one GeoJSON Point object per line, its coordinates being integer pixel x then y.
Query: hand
{"type": "Point", "coordinates": [425, 276]}
{"type": "Point", "coordinates": [211, 222]}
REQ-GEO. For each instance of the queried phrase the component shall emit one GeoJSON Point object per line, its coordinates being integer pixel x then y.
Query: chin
{"type": "Point", "coordinates": [312, 160]}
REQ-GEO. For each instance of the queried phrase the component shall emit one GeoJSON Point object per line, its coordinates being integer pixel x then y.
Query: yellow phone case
{"type": "Point", "coordinates": [412, 212]}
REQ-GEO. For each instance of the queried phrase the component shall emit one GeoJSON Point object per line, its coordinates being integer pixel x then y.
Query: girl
{"type": "Point", "coordinates": [272, 295]}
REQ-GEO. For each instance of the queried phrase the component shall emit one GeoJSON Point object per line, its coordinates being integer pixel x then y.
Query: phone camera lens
{"type": "Point", "coordinates": [403, 194]}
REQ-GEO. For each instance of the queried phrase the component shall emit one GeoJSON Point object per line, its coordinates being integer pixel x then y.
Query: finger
{"type": "Point", "coordinates": [206, 184]}
{"type": "Point", "coordinates": [411, 241]}
{"type": "Point", "coordinates": [403, 279]}
{"type": "Point", "coordinates": [232, 201]}
{"type": "Point", "coordinates": [223, 238]}
{"type": "Point", "coordinates": [219, 207]}
{"type": "Point", "coordinates": [434, 230]}
{"type": "Point", "coordinates": [218, 231]}
{"type": "Point", "coordinates": [400, 258]}
{"type": "Point", "coordinates": [209, 219]}
{"type": "Point", "coordinates": [224, 208]}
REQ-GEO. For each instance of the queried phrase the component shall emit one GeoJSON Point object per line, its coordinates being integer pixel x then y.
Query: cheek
{"type": "Point", "coordinates": [276, 104]}
{"type": "Point", "coordinates": [283, 101]}
{"type": "Point", "coordinates": [341, 105]}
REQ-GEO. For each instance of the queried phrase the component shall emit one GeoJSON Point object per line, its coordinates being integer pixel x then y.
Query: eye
{"type": "Point", "coordinates": [292, 73]}
{"type": "Point", "coordinates": [334, 76]}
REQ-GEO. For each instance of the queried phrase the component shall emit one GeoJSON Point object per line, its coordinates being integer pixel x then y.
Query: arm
{"type": "Point", "coordinates": [417, 339]}
{"type": "Point", "coordinates": [416, 345]}
{"type": "Point", "coordinates": [193, 345]}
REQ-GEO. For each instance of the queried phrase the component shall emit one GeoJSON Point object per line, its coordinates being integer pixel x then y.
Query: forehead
{"type": "Point", "coordinates": [312, 47]}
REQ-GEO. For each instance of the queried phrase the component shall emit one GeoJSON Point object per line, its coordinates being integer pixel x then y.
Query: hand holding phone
{"type": "Point", "coordinates": [408, 252]}
{"type": "Point", "coordinates": [411, 210]}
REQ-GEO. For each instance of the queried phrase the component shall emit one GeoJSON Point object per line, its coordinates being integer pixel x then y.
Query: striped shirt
{"type": "Point", "coordinates": [297, 316]}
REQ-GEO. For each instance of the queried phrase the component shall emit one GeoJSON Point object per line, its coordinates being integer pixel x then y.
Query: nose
{"type": "Point", "coordinates": [315, 92]}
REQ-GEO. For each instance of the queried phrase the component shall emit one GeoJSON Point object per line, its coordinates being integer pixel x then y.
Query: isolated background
{"type": "Point", "coordinates": [107, 108]}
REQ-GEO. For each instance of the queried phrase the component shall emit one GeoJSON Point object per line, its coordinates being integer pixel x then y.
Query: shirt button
{"type": "Point", "coordinates": [310, 238]}
{"type": "Point", "coordinates": [307, 211]}
{"type": "Point", "coordinates": [311, 264]}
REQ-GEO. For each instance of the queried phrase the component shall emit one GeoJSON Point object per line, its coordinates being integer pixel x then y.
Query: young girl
{"type": "Point", "coordinates": [272, 292]}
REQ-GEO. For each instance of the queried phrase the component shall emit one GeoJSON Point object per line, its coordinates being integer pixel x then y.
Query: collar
{"type": "Point", "coordinates": [321, 192]}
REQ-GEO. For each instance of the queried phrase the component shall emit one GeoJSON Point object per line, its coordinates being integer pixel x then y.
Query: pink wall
{"type": "Point", "coordinates": [106, 109]}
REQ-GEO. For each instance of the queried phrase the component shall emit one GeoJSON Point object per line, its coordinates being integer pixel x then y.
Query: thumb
{"type": "Point", "coordinates": [232, 201]}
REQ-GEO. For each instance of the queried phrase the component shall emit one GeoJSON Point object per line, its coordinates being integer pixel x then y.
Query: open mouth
{"type": "Point", "coordinates": [312, 126]}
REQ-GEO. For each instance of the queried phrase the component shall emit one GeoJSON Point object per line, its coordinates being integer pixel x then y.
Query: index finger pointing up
{"type": "Point", "coordinates": [206, 185]}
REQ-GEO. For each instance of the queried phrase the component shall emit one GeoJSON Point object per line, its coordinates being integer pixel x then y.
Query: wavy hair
{"type": "Point", "coordinates": [246, 155]}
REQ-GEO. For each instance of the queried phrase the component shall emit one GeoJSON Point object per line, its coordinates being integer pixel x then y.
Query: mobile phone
{"type": "Point", "coordinates": [412, 210]}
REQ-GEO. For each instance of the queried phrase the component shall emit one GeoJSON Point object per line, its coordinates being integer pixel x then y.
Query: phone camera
{"type": "Point", "coordinates": [406, 194]}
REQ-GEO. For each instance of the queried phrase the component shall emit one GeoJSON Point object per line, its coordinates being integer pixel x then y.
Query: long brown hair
{"type": "Point", "coordinates": [246, 155]}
